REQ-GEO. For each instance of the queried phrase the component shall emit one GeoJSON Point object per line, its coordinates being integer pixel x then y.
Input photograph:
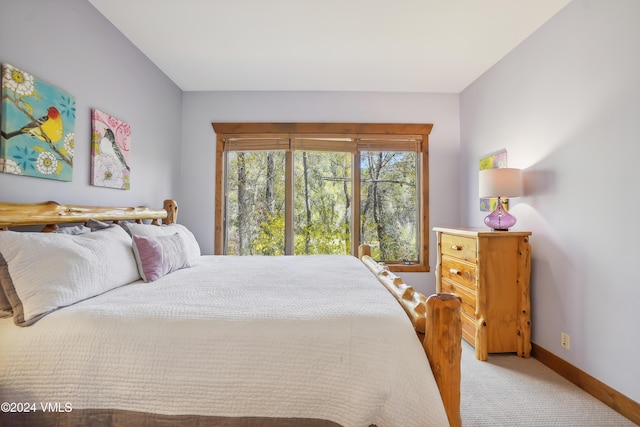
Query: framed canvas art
{"type": "Point", "coordinates": [37, 135]}
{"type": "Point", "coordinates": [110, 151]}
{"type": "Point", "coordinates": [492, 161]}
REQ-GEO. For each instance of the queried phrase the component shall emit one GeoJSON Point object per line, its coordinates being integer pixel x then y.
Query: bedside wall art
{"type": "Point", "coordinates": [110, 151]}
{"type": "Point", "coordinates": [493, 161]}
{"type": "Point", "coordinates": [37, 130]}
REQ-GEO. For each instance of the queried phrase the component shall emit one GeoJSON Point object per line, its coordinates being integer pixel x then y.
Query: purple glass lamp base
{"type": "Point", "coordinates": [500, 219]}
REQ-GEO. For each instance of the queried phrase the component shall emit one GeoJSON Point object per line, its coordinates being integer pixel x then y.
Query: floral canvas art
{"type": "Point", "coordinates": [37, 129]}
{"type": "Point", "coordinates": [110, 151]}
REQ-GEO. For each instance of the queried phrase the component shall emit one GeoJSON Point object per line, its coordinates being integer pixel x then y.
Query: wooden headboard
{"type": "Point", "coordinates": [50, 214]}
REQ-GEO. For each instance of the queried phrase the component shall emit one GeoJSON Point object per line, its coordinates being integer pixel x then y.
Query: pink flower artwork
{"type": "Point", "coordinates": [110, 151]}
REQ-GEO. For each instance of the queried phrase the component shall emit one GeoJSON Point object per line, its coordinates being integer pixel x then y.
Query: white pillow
{"type": "Point", "coordinates": [42, 272]}
{"type": "Point", "coordinates": [150, 230]}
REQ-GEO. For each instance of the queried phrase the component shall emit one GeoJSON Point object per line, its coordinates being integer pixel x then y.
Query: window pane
{"type": "Point", "coordinates": [388, 204]}
{"type": "Point", "coordinates": [322, 206]}
{"type": "Point", "coordinates": [255, 203]}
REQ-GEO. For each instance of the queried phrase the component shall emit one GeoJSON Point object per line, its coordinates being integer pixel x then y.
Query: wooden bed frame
{"type": "Point", "coordinates": [436, 319]}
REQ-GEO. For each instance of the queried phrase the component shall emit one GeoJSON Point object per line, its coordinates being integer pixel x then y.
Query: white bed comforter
{"type": "Point", "coordinates": [309, 337]}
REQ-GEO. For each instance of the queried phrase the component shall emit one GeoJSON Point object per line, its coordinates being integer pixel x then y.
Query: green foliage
{"type": "Point", "coordinates": [388, 214]}
{"type": "Point", "coordinates": [322, 200]}
{"type": "Point", "coordinates": [322, 203]}
{"type": "Point", "coordinates": [255, 222]}
{"type": "Point", "coordinates": [270, 238]}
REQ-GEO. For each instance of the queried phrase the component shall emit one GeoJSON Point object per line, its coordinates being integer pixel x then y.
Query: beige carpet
{"type": "Point", "coordinates": [510, 391]}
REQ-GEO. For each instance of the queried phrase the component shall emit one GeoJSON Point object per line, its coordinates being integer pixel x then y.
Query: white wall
{"type": "Point", "coordinates": [566, 106]}
{"type": "Point", "coordinates": [198, 151]}
{"type": "Point", "coordinates": [70, 45]}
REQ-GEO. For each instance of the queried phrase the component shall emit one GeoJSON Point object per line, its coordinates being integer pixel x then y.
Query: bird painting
{"type": "Point", "coordinates": [108, 145]}
{"type": "Point", "coordinates": [37, 136]}
{"type": "Point", "coordinates": [110, 165]}
{"type": "Point", "coordinates": [47, 128]}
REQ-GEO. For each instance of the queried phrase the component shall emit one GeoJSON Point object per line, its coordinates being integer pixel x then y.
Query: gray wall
{"type": "Point", "coordinates": [203, 108]}
{"type": "Point", "coordinates": [566, 106]}
{"type": "Point", "coordinates": [70, 45]}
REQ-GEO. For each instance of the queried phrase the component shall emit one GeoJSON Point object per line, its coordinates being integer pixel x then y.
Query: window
{"type": "Point", "coordinates": [305, 188]}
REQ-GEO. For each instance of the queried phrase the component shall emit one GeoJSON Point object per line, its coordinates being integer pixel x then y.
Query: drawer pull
{"type": "Point", "coordinates": [456, 247]}
{"type": "Point", "coordinates": [455, 271]}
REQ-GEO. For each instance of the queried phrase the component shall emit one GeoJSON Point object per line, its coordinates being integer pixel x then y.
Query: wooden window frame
{"type": "Point", "coordinates": [260, 133]}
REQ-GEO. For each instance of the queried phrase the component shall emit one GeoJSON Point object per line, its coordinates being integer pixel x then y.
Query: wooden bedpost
{"type": "Point", "coordinates": [172, 211]}
{"type": "Point", "coordinates": [364, 250]}
{"type": "Point", "coordinates": [443, 345]}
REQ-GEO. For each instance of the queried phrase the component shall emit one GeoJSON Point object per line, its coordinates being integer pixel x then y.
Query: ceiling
{"type": "Point", "coordinates": [326, 45]}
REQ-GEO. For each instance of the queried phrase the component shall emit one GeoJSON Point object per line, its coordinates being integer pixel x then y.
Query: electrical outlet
{"type": "Point", "coordinates": [565, 341]}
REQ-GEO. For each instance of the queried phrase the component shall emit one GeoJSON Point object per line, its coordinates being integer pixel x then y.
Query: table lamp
{"type": "Point", "coordinates": [500, 183]}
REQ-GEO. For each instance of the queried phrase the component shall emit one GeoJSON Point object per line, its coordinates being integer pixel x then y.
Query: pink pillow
{"type": "Point", "coordinates": [160, 255]}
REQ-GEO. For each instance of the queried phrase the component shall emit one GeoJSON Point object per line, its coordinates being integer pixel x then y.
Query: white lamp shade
{"type": "Point", "coordinates": [500, 182]}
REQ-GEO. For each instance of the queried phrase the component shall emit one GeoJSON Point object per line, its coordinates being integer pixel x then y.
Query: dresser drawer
{"type": "Point", "coordinates": [459, 247]}
{"type": "Point", "coordinates": [460, 272]}
{"type": "Point", "coordinates": [468, 298]}
{"type": "Point", "coordinates": [468, 328]}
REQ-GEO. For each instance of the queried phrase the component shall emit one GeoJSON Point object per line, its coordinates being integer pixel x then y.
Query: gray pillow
{"type": "Point", "coordinates": [95, 225]}
{"type": "Point", "coordinates": [75, 230]}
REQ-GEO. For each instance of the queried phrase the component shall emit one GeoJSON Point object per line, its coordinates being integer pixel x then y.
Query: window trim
{"type": "Point", "coordinates": [256, 131]}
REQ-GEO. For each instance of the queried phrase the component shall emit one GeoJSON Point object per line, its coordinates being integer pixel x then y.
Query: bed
{"type": "Point", "coordinates": [146, 331]}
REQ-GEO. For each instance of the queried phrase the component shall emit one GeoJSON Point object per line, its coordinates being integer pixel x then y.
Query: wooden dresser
{"type": "Point", "coordinates": [489, 271]}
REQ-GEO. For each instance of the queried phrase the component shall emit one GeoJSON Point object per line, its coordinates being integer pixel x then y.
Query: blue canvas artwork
{"type": "Point", "coordinates": [37, 128]}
